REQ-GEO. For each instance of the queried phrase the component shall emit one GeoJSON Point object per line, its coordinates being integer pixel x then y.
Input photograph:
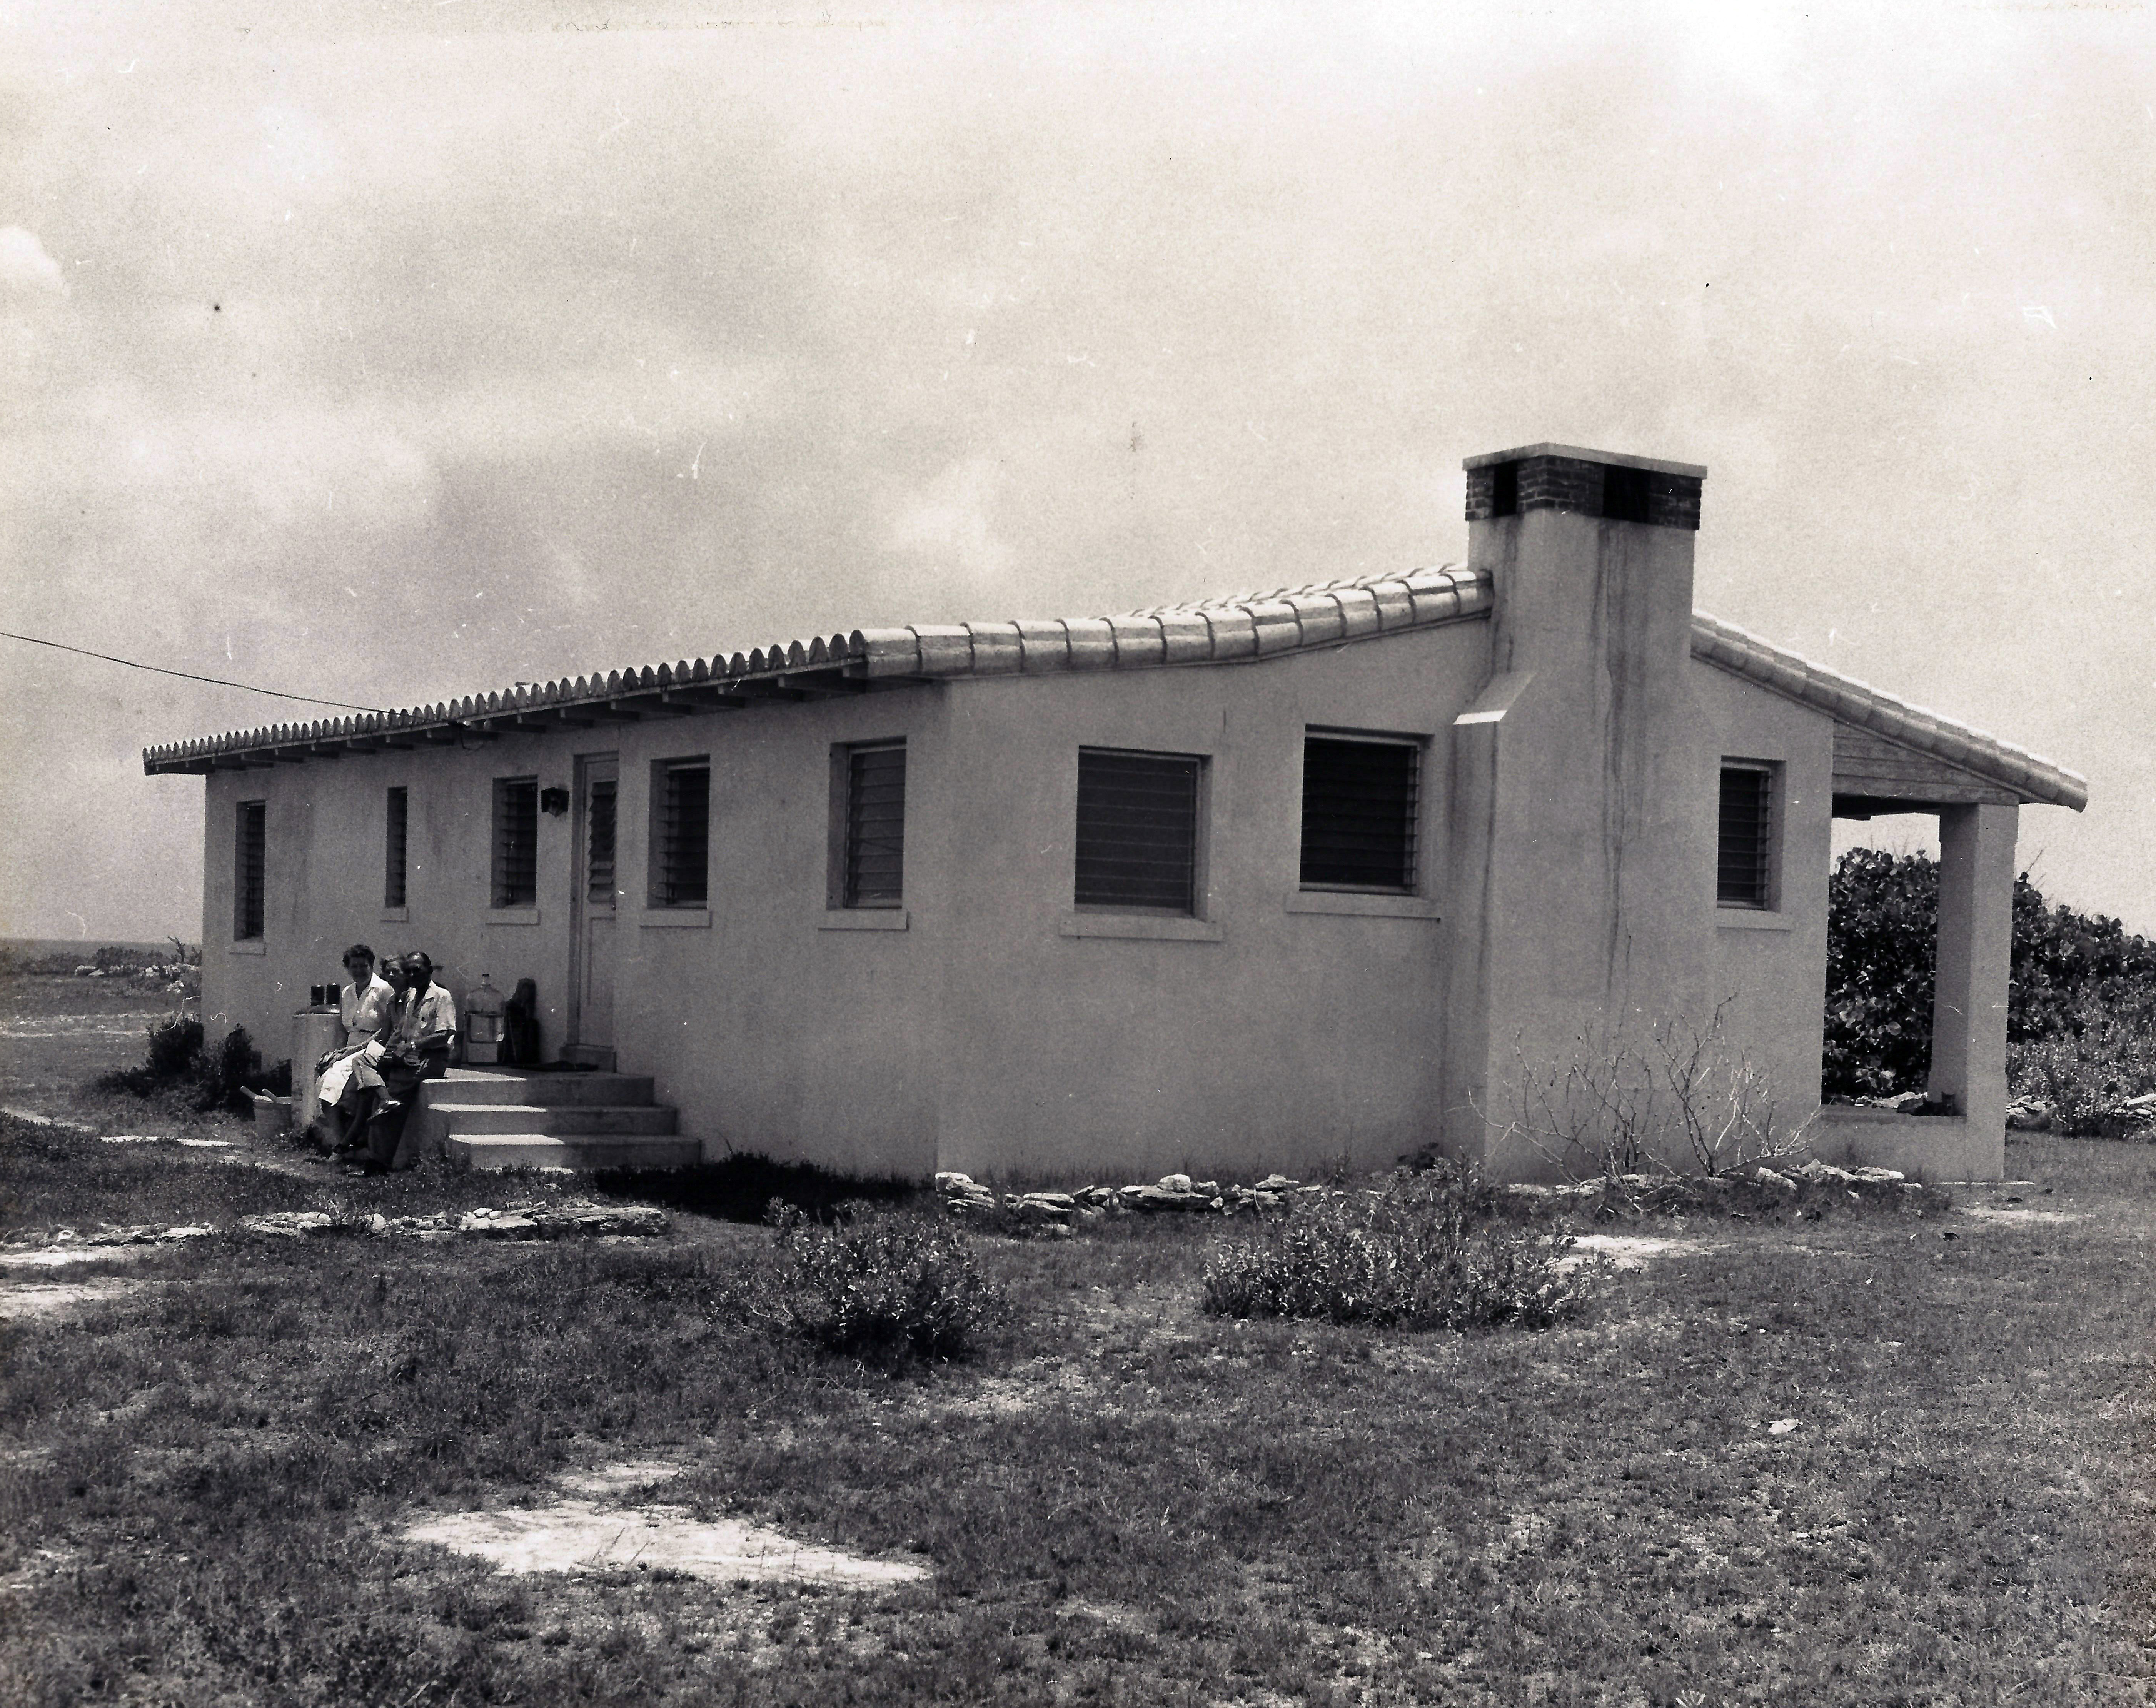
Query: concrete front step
{"type": "Point", "coordinates": [582, 1151]}
{"type": "Point", "coordinates": [468, 1085]}
{"type": "Point", "coordinates": [560, 1121]}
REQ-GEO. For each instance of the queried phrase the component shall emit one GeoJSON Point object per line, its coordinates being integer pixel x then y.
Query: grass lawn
{"type": "Point", "coordinates": [205, 1479]}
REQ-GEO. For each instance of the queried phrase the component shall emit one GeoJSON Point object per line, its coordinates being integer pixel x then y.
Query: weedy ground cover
{"type": "Point", "coordinates": [1423, 1250]}
{"type": "Point", "coordinates": [1843, 1462]}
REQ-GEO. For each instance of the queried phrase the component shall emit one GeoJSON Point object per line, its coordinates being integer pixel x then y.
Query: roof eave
{"type": "Point", "coordinates": [2037, 781]}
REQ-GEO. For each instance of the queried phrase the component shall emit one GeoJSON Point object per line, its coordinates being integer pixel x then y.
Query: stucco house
{"type": "Point", "coordinates": [1235, 885]}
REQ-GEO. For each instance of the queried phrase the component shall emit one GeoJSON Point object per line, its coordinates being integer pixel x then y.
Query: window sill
{"type": "Point", "coordinates": [1753, 919]}
{"type": "Point", "coordinates": [865, 919]}
{"type": "Point", "coordinates": [676, 919]}
{"type": "Point", "coordinates": [396, 915]}
{"type": "Point", "coordinates": [1160, 928]}
{"type": "Point", "coordinates": [512, 916]}
{"type": "Point", "coordinates": [1356, 902]}
{"type": "Point", "coordinates": [250, 946]}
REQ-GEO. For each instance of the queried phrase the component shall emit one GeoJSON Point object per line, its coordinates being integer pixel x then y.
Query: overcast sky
{"type": "Point", "coordinates": [386, 352]}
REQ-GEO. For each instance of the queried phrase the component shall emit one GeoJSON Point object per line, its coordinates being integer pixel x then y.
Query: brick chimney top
{"type": "Point", "coordinates": [1602, 483]}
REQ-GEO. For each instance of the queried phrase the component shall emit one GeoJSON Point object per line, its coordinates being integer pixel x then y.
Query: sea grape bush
{"type": "Point", "coordinates": [879, 1283]}
{"type": "Point", "coordinates": [1881, 937]}
{"type": "Point", "coordinates": [1419, 1253]}
{"type": "Point", "coordinates": [180, 1059]}
{"type": "Point", "coordinates": [2081, 1017]}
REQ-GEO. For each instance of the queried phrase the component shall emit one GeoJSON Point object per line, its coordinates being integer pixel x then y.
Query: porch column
{"type": "Point", "coordinates": [1975, 958]}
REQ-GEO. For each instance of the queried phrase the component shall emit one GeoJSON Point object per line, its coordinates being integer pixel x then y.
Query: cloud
{"type": "Point", "coordinates": [948, 522]}
{"type": "Point", "coordinates": [24, 265]}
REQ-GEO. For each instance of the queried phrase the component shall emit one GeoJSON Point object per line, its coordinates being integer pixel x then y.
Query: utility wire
{"type": "Point", "coordinates": [187, 676]}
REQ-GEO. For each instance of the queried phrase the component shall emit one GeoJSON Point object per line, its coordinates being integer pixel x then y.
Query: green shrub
{"type": "Point", "coordinates": [1420, 1253]}
{"type": "Point", "coordinates": [1881, 942]}
{"type": "Point", "coordinates": [881, 1283]}
{"type": "Point", "coordinates": [174, 1045]}
{"type": "Point", "coordinates": [2081, 1007]}
{"type": "Point", "coordinates": [181, 1061]}
{"type": "Point", "coordinates": [2083, 1076]}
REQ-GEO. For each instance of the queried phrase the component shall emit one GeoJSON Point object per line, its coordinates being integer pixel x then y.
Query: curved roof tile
{"type": "Point", "coordinates": [1205, 631]}
{"type": "Point", "coordinates": [1742, 653]}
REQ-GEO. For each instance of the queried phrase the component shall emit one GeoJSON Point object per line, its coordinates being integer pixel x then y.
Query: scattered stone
{"type": "Point", "coordinates": [131, 1139]}
{"type": "Point", "coordinates": [1783, 1426]}
{"type": "Point", "coordinates": [1774, 1182]}
{"type": "Point", "coordinates": [962, 1196]}
{"type": "Point", "coordinates": [1912, 1103]}
{"type": "Point", "coordinates": [2030, 1115]}
{"type": "Point", "coordinates": [499, 1224]}
{"type": "Point", "coordinates": [1046, 1209]}
{"type": "Point", "coordinates": [1151, 1200]}
{"type": "Point", "coordinates": [290, 1224]}
{"type": "Point", "coordinates": [2132, 1119]}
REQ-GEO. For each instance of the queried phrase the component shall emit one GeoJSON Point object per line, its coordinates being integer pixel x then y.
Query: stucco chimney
{"type": "Point", "coordinates": [1580, 893]}
{"type": "Point", "coordinates": [1539, 519]}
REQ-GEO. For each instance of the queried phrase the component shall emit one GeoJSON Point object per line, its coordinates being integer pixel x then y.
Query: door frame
{"type": "Point", "coordinates": [580, 880]}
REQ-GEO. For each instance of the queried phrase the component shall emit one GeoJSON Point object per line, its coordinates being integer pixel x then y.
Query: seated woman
{"type": "Point", "coordinates": [349, 1078]}
{"type": "Point", "coordinates": [426, 1033]}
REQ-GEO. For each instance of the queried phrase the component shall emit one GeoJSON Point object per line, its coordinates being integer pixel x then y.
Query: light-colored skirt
{"type": "Point", "coordinates": [355, 1070]}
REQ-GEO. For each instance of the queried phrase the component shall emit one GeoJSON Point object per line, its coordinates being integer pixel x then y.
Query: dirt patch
{"type": "Point", "coordinates": [616, 1480]}
{"type": "Point", "coordinates": [37, 1298]}
{"type": "Point", "coordinates": [578, 1533]}
{"type": "Point", "coordinates": [1629, 1251]}
{"type": "Point", "coordinates": [2021, 1218]}
{"type": "Point", "coordinates": [57, 1257]}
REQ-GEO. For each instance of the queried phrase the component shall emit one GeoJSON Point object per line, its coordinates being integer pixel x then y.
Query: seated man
{"type": "Point", "coordinates": [367, 1006]}
{"type": "Point", "coordinates": [426, 1033]}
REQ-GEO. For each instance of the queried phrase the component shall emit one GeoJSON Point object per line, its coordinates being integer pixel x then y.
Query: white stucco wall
{"type": "Point", "coordinates": [982, 1036]}
{"type": "Point", "coordinates": [1770, 967]}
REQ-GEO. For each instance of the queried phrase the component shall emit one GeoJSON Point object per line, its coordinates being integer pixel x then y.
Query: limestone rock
{"type": "Point", "coordinates": [500, 1225]}
{"type": "Point", "coordinates": [2130, 1119]}
{"type": "Point", "coordinates": [290, 1224]}
{"type": "Point", "coordinates": [1042, 1208]}
{"type": "Point", "coordinates": [962, 1195]}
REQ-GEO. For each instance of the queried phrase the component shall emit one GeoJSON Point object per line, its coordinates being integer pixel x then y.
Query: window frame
{"type": "Point", "coordinates": [660, 892]}
{"type": "Point", "coordinates": [842, 892]}
{"type": "Point", "coordinates": [395, 845]}
{"type": "Point", "coordinates": [1768, 861]}
{"type": "Point", "coordinates": [1416, 747]}
{"type": "Point", "coordinates": [509, 792]}
{"type": "Point", "coordinates": [606, 897]}
{"type": "Point", "coordinates": [1201, 765]}
{"type": "Point", "coordinates": [250, 827]}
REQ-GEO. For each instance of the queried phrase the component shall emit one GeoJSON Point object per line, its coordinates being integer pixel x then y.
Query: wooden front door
{"type": "Point", "coordinates": [593, 899]}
